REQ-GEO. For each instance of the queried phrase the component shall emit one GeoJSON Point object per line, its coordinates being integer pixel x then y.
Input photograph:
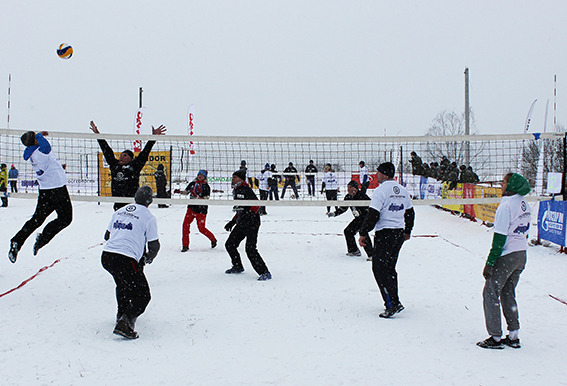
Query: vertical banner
{"type": "Point", "coordinates": [526, 128]}
{"type": "Point", "coordinates": [138, 123]}
{"type": "Point", "coordinates": [190, 127]}
{"type": "Point", "coordinates": [551, 221]}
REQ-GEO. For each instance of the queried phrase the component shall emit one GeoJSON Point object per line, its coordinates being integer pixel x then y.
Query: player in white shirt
{"type": "Point", "coordinates": [391, 215]}
{"type": "Point", "coordinates": [330, 185]}
{"type": "Point", "coordinates": [262, 184]}
{"type": "Point", "coordinates": [505, 263]}
{"type": "Point", "coordinates": [124, 256]}
{"type": "Point", "coordinates": [53, 195]}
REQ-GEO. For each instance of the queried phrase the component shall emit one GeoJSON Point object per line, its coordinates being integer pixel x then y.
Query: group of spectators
{"type": "Point", "coordinates": [445, 171]}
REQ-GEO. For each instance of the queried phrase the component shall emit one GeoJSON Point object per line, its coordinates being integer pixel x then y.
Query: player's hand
{"type": "Point", "coordinates": [177, 191]}
{"type": "Point", "coordinates": [331, 214]}
{"type": "Point", "coordinates": [44, 133]}
{"type": "Point", "coordinates": [159, 131]}
{"type": "Point", "coordinates": [362, 241]}
{"type": "Point", "coordinates": [407, 236]}
{"type": "Point", "coordinates": [229, 225]}
{"type": "Point", "coordinates": [94, 128]}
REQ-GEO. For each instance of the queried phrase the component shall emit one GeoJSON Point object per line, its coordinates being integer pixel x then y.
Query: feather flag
{"type": "Point", "coordinates": [190, 128]}
{"type": "Point", "coordinates": [138, 124]}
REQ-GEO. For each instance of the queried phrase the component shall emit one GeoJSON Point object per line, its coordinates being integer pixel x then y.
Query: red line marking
{"type": "Point", "coordinates": [559, 300]}
{"type": "Point", "coordinates": [31, 278]}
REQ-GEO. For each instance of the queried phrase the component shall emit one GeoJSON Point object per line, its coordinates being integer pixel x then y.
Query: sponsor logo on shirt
{"type": "Point", "coordinates": [120, 225]}
{"type": "Point", "coordinates": [395, 207]}
{"type": "Point", "coordinates": [522, 229]}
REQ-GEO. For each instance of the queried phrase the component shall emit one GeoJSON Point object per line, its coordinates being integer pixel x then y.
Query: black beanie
{"type": "Point", "coordinates": [144, 195]}
{"type": "Point", "coordinates": [129, 152]}
{"type": "Point", "coordinates": [387, 168]}
{"type": "Point", "coordinates": [240, 173]}
{"type": "Point", "coordinates": [28, 138]}
{"type": "Point", "coordinates": [354, 184]}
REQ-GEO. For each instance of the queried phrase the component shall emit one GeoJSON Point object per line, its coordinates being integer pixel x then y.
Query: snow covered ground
{"type": "Point", "coordinates": [315, 323]}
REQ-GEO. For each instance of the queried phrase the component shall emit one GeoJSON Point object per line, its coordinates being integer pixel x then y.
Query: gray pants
{"type": "Point", "coordinates": [501, 289]}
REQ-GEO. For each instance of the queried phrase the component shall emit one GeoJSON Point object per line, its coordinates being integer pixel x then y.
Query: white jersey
{"type": "Point", "coordinates": [512, 219]}
{"type": "Point", "coordinates": [50, 174]}
{"type": "Point", "coordinates": [391, 200]}
{"type": "Point", "coordinates": [263, 180]}
{"type": "Point", "coordinates": [330, 180]}
{"type": "Point", "coordinates": [131, 227]}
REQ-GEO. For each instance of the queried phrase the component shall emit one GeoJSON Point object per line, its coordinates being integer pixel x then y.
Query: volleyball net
{"type": "Point", "coordinates": [488, 156]}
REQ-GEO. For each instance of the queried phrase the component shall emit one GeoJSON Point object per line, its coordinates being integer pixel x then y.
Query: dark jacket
{"type": "Point", "coordinates": [125, 178]}
{"type": "Point", "coordinates": [311, 169]}
{"type": "Point", "coordinates": [246, 216]}
{"type": "Point", "coordinates": [288, 171]}
{"type": "Point", "coordinates": [199, 189]}
{"type": "Point", "coordinates": [161, 184]}
{"type": "Point", "coordinates": [358, 211]}
{"type": "Point", "coordinates": [416, 165]}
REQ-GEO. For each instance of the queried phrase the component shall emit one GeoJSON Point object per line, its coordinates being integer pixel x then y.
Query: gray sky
{"type": "Point", "coordinates": [290, 68]}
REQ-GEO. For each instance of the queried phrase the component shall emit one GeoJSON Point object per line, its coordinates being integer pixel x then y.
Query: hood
{"type": "Point", "coordinates": [518, 184]}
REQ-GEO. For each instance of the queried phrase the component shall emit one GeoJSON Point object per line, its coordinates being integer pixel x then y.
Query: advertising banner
{"type": "Point", "coordinates": [551, 221]}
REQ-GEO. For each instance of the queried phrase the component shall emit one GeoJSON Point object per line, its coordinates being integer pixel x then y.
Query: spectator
{"type": "Point", "coordinates": [13, 178]}
{"type": "Point", "coordinates": [310, 172]}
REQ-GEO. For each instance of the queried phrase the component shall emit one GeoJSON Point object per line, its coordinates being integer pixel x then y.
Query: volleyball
{"type": "Point", "coordinates": [65, 51]}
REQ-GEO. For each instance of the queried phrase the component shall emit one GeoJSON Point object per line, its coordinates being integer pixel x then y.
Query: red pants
{"type": "Point", "coordinates": [201, 220]}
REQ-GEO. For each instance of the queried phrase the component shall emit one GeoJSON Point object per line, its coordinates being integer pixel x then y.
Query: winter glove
{"type": "Point", "coordinates": [146, 259]}
{"type": "Point", "coordinates": [229, 225]}
{"type": "Point", "coordinates": [488, 271]}
{"type": "Point", "coordinates": [331, 214]}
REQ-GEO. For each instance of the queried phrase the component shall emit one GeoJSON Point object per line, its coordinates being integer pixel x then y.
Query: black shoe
{"type": "Point", "coordinates": [514, 343]}
{"type": "Point", "coordinates": [214, 243]}
{"type": "Point", "coordinates": [399, 308]}
{"type": "Point", "coordinates": [234, 270]}
{"type": "Point", "coordinates": [388, 312]}
{"type": "Point", "coordinates": [122, 328]}
{"type": "Point", "coordinates": [491, 343]}
{"type": "Point", "coordinates": [14, 249]}
{"type": "Point", "coordinates": [38, 244]}
{"type": "Point", "coordinates": [184, 249]}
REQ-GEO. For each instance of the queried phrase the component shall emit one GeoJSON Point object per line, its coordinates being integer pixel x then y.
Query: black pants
{"type": "Point", "coordinates": [292, 184]}
{"type": "Point", "coordinates": [3, 194]}
{"type": "Point", "coordinates": [310, 185]}
{"type": "Point", "coordinates": [14, 186]}
{"type": "Point", "coordinates": [263, 196]}
{"type": "Point", "coordinates": [132, 289]}
{"type": "Point", "coordinates": [238, 234]}
{"type": "Point", "coordinates": [364, 187]}
{"type": "Point", "coordinates": [331, 196]}
{"type": "Point", "coordinates": [48, 201]}
{"type": "Point", "coordinates": [387, 245]}
{"type": "Point", "coordinates": [274, 193]}
{"type": "Point", "coordinates": [352, 229]}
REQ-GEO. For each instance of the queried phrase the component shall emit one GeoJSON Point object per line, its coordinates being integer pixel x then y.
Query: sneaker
{"type": "Point", "coordinates": [123, 329]}
{"type": "Point", "coordinates": [14, 249]}
{"type": "Point", "coordinates": [265, 276]}
{"type": "Point", "coordinates": [184, 249]}
{"type": "Point", "coordinates": [214, 243]}
{"type": "Point", "coordinates": [514, 343]}
{"type": "Point", "coordinates": [357, 253]}
{"type": "Point", "coordinates": [491, 343]}
{"type": "Point", "coordinates": [38, 244]}
{"type": "Point", "coordinates": [388, 312]}
{"type": "Point", "coordinates": [399, 308]}
{"type": "Point", "coordinates": [234, 270]}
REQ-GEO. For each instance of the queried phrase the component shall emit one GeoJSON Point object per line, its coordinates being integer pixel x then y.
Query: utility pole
{"type": "Point", "coordinates": [141, 91]}
{"type": "Point", "coordinates": [467, 118]}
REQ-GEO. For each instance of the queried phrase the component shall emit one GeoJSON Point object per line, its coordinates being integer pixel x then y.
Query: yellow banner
{"type": "Point", "coordinates": [146, 175]}
{"type": "Point", "coordinates": [451, 194]}
{"type": "Point", "coordinates": [486, 212]}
